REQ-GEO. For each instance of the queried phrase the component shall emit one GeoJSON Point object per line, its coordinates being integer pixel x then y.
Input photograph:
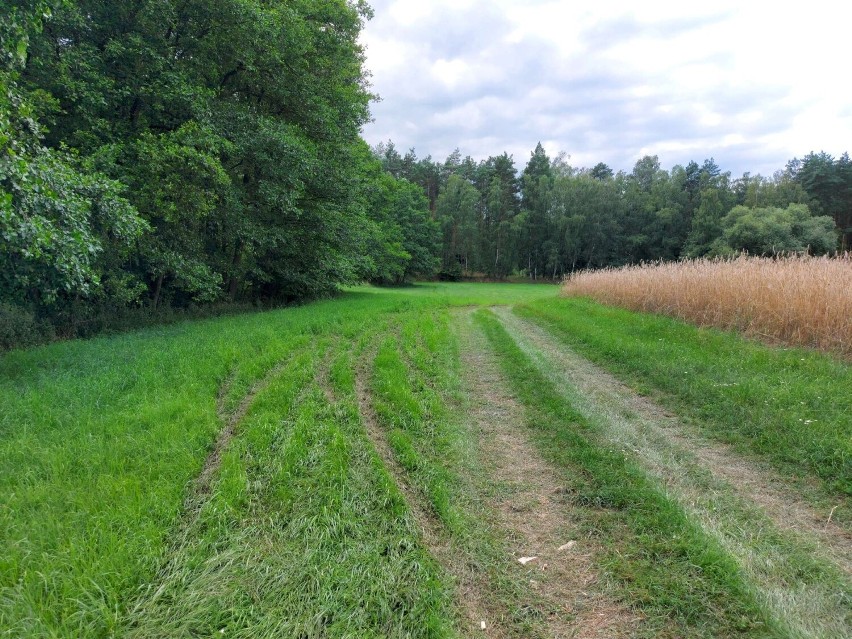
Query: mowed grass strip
{"type": "Point", "coordinates": [414, 432]}
{"type": "Point", "coordinates": [681, 579]}
{"type": "Point", "coordinates": [789, 406]}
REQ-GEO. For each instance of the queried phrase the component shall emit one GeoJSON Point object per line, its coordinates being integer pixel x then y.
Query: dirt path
{"type": "Point", "coordinates": [529, 506]}
{"type": "Point", "coordinates": [783, 544]}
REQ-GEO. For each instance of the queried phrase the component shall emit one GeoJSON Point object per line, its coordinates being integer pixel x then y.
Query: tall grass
{"type": "Point", "coordinates": [100, 440]}
{"type": "Point", "coordinates": [798, 300]}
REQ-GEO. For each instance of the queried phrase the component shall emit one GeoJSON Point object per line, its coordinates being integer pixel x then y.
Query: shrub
{"type": "Point", "coordinates": [19, 328]}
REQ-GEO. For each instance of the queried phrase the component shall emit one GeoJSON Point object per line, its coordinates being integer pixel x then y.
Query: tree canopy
{"type": "Point", "coordinates": [551, 218]}
{"type": "Point", "coordinates": [180, 152]}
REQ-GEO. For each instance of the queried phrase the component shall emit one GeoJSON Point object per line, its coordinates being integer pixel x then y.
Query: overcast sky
{"type": "Point", "coordinates": [751, 84]}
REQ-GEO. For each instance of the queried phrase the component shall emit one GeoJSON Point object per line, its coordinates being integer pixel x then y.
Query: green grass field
{"type": "Point", "coordinates": [315, 472]}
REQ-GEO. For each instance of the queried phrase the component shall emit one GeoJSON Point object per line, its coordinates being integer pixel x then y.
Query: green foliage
{"type": "Point", "coordinates": [179, 186]}
{"type": "Point", "coordinates": [457, 209]}
{"type": "Point", "coordinates": [706, 225]}
{"type": "Point", "coordinates": [57, 217]}
{"type": "Point", "coordinates": [828, 183]}
{"type": "Point", "coordinates": [555, 218]}
{"type": "Point", "coordinates": [772, 231]}
{"type": "Point", "coordinates": [237, 154]}
{"type": "Point", "coordinates": [420, 232]}
{"type": "Point", "coordinates": [55, 222]}
{"type": "Point", "coordinates": [536, 230]}
{"type": "Point", "coordinates": [589, 214]}
{"type": "Point", "coordinates": [401, 240]}
{"type": "Point", "coordinates": [19, 328]}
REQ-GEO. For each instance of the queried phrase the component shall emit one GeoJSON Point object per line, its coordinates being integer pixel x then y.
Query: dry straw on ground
{"type": "Point", "coordinates": [798, 300]}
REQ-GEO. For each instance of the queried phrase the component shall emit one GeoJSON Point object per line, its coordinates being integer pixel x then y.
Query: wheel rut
{"type": "Point", "coordinates": [201, 487]}
{"type": "Point", "coordinates": [530, 506]}
{"type": "Point", "coordinates": [780, 540]}
{"type": "Point", "coordinates": [470, 587]}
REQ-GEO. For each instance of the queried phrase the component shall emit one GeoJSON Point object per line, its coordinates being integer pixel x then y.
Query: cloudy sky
{"type": "Point", "coordinates": [749, 83]}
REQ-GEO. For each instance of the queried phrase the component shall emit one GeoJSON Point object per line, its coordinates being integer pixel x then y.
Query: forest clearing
{"type": "Point", "coordinates": [441, 460]}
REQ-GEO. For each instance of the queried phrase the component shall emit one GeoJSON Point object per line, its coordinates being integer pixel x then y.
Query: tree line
{"type": "Point", "coordinates": [161, 154]}
{"type": "Point", "coordinates": [551, 218]}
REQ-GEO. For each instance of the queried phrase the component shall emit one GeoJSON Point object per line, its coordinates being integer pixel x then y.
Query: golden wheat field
{"type": "Point", "coordinates": [798, 300]}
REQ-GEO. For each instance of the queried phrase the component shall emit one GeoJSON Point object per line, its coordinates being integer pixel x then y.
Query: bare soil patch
{"type": "Point", "coordinates": [530, 504]}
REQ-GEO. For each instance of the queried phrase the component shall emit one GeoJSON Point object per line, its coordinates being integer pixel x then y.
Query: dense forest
{"type": "Point", "coordinates": [158, 153]}
{"type": "Point", "coordinates": [551, 218]}
{"type": "Point", "coordinates": [177, 154]}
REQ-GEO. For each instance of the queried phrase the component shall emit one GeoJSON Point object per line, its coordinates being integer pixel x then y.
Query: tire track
{"type": "Point", "coordinates": [530, 507]}
{"type": "Point", "coordinates": [470, 587]}
{"type": "Point", "coordinates": [797, 561]}
{"type": "Point", "coordinates": [200, 489]}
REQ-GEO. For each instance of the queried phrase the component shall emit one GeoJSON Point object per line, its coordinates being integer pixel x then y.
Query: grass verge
{"type": "Point", "coordinates": [305, 534]}
{"type": "Point", "coordinates": [100, 441]}
{"type": "Point", "coordinates": [789, 406]}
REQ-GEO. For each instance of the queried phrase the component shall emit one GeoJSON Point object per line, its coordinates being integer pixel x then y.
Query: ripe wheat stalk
{"type": "Point", "coordinates": [796, 300]}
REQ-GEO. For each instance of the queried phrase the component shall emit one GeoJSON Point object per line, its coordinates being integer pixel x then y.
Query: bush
{"type": "Point", "coordinates": [452, 273]}
{"type": "Point", "coordinates": [775, 231]}
{"type": "Point", "coordinates": [19, 328]}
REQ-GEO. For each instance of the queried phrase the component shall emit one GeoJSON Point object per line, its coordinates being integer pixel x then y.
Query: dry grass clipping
{"type": "Point", "coordinates": [798, 300]}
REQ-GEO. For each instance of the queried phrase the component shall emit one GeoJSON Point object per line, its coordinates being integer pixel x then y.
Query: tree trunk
{"type": "Point", "coordinates": [157, 288]}
{"type": "Point", "coordinates": [135, 112]}
{"type": "Point", "coordinates": [234, 282]}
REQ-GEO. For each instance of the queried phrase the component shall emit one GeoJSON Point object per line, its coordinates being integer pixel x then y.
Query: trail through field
{"type": "Point", "coordinates": [797, 560]}
{"type": "Point", "coordinates": [527, 498]}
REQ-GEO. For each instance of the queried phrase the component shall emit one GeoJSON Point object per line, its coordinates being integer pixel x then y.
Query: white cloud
{"type": "Point", "coordinates": [752, 84]}
{"type": "Point", "coordinates": [409, 13]}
